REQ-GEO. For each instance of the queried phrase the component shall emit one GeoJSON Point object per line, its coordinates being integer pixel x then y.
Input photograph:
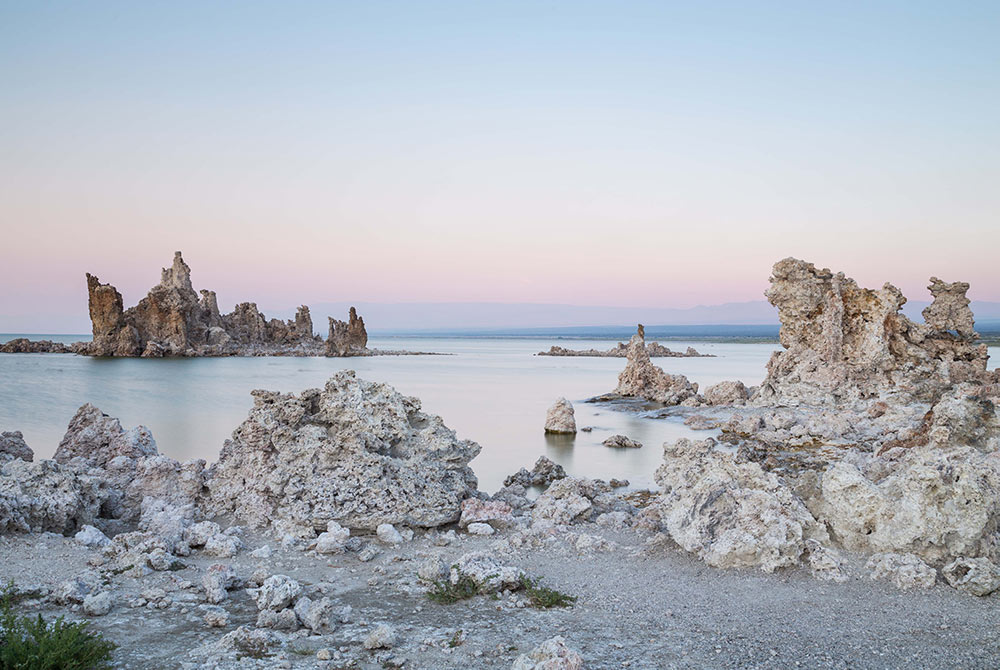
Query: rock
{"type": "Point", "coordinates": [12, 446]}
{"type": "Point", "coordinates": [369, 553]}
{"type": "Point", "coordinates": [906, 571]}
{"type": "Point", "coordinates": [97, 604]}
{"type": "Point", "coordinates": [77, 589]}
{"type": "Point", "coordinates": [496, 513]}
{"type": "Point", "coordinates": [654, 349]}
{"type": "Point", "coordinates": [199, 534]}
{"type": "Point", "coordinates": [334, 540]}
{"type": "Point", "coordinates": [356, 452]}
{"type": "Point", "coordinates": [314, 614]}
{"type": "Point", "coordinates": [569, 500]}
{"type": "Point", "coordinates": [387, 534]}
{"type": "Point", "coordinates": [347, 338]}
{"type": "Point", "coordinates": [277, 592]}
{"type": "Point", "coordinates": [223, 546]}
{"type": "Point", "coordinates": [91, 537]}
{"type": "Point", "coordinates": [129, 464]}
{"type": "Point", "coordinates": [284, 619]}
{"type": "Point", "coordinates": [383, 637]}
{"type": "Point", "coordinates": [46, 496]}
{"type": "Point", "coordinates": [621, 442]}
{"type": "Point", "coordinates": [732, 515]}
{"type": "Point", "coordinates": [480, 529]}
{"type": "Point", "coordinates": [215, 616]}
{"type": "Point", "coordinates": [826, 563]}
{"type": "Point", "coordinates": [618, 483]}
{"type": "Point", "coordinates": [261, 552]}
{"type": "Point", "coordinates": [172, 320]}
{"type": "Point", "coordinates": [976, 576]}
{"type": "Point", "coordinates": [324, 654]}
{"type": "Point", "coordinates": [432, 569]}
{"type": "Point", "coordinates": [543, 473]}
{"type": "Point", "coordinates": [642, 379]}
{"type": "Point", "coordinates": [726, 393]}
{"type": "Point", "coordinates": [553, 654]}
{"type": "Point", "coordinates": [22, 345]}
{"type": "Point", "coordinates": [217, 581]}
{"type": "Point", "coordinates": [487, 570]}
{"type": "Point", "coordinates": [559, 418]}
{"type": "Point", "coordinates": [939, 502]}
{"type": "Point", "coordinates": [700, 422]}
{"type": "Point", "coordinates": [845, 344]}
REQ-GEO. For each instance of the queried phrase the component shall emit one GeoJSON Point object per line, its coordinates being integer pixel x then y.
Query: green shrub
{"type": "Point", "coordinates": [31, 643]}
{"type": "Point", "coordinates": [542, 596]}
{"type": "Point", "coordinates": [446, 593]}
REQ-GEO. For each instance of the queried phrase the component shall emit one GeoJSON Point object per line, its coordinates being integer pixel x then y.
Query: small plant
{"type": "Point", "coordinates": [250, 647]}
{"type": "Point", "coordinates": [457, 639]}
{"type": "Point", "coordinates": [542, 596]}
{"type": "Point", "coordinates": [31, 643]}
{"type": "Point", "coordinates": [445, 592]}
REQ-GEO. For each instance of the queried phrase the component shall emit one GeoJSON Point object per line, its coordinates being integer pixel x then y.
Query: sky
{"type": "Point", "coordinates": [652, 154]}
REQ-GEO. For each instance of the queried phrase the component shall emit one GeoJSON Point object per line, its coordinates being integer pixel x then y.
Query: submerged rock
{"type": "Point", "coordinates": [560, 418]}
{"type": "Point", "coordinates": [621, 442]}
{"type": "Point", "coordinates": [642, 379]}
{"type": "Point", "coordinates": [544, 472]}
{"type": "Point", "coordinates": [355, 452]}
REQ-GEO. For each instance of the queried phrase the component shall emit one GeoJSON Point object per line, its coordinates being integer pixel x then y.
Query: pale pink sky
{"type": "Point", "coordinates": [650, 156]}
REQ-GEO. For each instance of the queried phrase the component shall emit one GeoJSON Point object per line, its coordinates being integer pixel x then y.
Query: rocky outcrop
{"type": "Point", "coordinates": [642, 379]}
{"type": "Point", "coordinates": [174, 320]}
{"type": "Point", "coordinates": [129, 465]}
{"type": "Point", "coordinates": [654, 349]}
{"type": "Point", "coordinates": [347, 338]}
{"type": "Point", "coordinates": [12, 445]}
{"type": "Point", "coordinates": [560, 419]}
{"type": "Point", "coordinates": [45, 496]}
{"type": "Point", "coordinates": [355, 452]}
{"type": "Point", "coordinates": [731, 514]}
{"type": "Point", "coordinates": [727, 393]}
{"type": "Point", "coordinates": [845, 344]}
{"type": "Point", "coordinates": [23, 345]}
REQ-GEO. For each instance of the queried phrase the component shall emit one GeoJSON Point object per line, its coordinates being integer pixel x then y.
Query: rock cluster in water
{"type": "Point", "coordinates": [642, 379]}
{"type": "Point", "coordinates": [653, 349]}
{"type": "Point", "coordinates": [173, 320]}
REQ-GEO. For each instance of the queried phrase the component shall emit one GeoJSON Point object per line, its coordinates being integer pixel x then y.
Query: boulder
{"type": "Point", "coordinates": [559, 418]}
{"type": "Point", "coordinates": [906, 571]}
{"type": "Point", "coordinates": [975, 576]}
{"type": "Point", "coordinates": [727, 393]}
{"type": "Point", "coordinates": [621, 442]}
{"type": "Point", "coordinates": [355, 452]}
{"type": "Point", "coordinates": [553, 654]}
{"type": "Point", "coordinates": [732, 515]}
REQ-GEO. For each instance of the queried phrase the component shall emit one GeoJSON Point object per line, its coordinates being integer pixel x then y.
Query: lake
{"type": "Point", "coordinates": [493, 391]}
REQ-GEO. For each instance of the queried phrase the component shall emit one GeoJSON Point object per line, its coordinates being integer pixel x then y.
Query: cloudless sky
{"type": "Point", "coordinates": [615, 153]}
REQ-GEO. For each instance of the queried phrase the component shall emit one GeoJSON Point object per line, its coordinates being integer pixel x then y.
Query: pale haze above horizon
{"type": "Point", "coordinates": [630, 154]}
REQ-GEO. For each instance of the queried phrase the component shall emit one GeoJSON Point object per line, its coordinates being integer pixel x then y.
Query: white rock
{"type": "Point", "coordinates": [487, 570]}
{"type": "Point", "coordinates": [215, 616]}
{"type": "Point", "coordinates": [333, 540]}
{"type": "Point", "coordinates": [261, 552]}
{"type": "Point", "coordinates": [480, 529]}
{"type": "Point", "coordinates": [383, 637]}
{"type": "Point", "coordinates": [277, 592]}
{"type": "Point", "coordinates": [314, 614]}
{"type": "Point", "coordinates": [91, 537]}
{"type": "Point", "coordinates": [222, 545]}
{"type": "Point", "coordinates": [217, 581]}
{"type": "Point", "coordinates": [387, 534]}
{"type": "Point", "coordinates": [560, 418]}
{"type": "Point", "coordinates": [976, 576]}
{"type": "Point", "coordinates": [906, 571]}
{"type": "Point", "coordinates": [553, 654]}
{"type": "Point", "coordinates": [97, 604]}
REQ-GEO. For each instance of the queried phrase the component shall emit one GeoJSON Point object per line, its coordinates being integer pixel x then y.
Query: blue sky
{"type": "Point", "coordinates": [661, 154]}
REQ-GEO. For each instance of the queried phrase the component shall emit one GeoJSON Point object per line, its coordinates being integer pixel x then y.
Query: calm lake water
{"type": "Point", "coordinates": [493, 391]}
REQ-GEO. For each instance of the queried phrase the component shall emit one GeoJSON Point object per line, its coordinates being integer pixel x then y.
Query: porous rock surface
{"type": "Point", "coordinates": [642, 379]}
{"type": "Point", "coordinates": [355, 452]}
{"type": "Point", "coordinates": [847, 343]}
{"type": "Point", "coordinates": [560, 418]}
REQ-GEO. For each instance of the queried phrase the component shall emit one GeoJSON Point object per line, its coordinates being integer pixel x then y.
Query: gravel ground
{"type": "Point", "coordinates": [638, 607]}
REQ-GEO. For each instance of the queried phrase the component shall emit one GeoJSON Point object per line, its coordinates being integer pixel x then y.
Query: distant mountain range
{"type": "Point", "coordinates": [755, 319]}
{"type": "Point", "coordinates": [575, 320]}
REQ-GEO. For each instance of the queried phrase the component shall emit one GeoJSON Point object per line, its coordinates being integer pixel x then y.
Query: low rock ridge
{"type": "Point", "coordinates": [653, 350]}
